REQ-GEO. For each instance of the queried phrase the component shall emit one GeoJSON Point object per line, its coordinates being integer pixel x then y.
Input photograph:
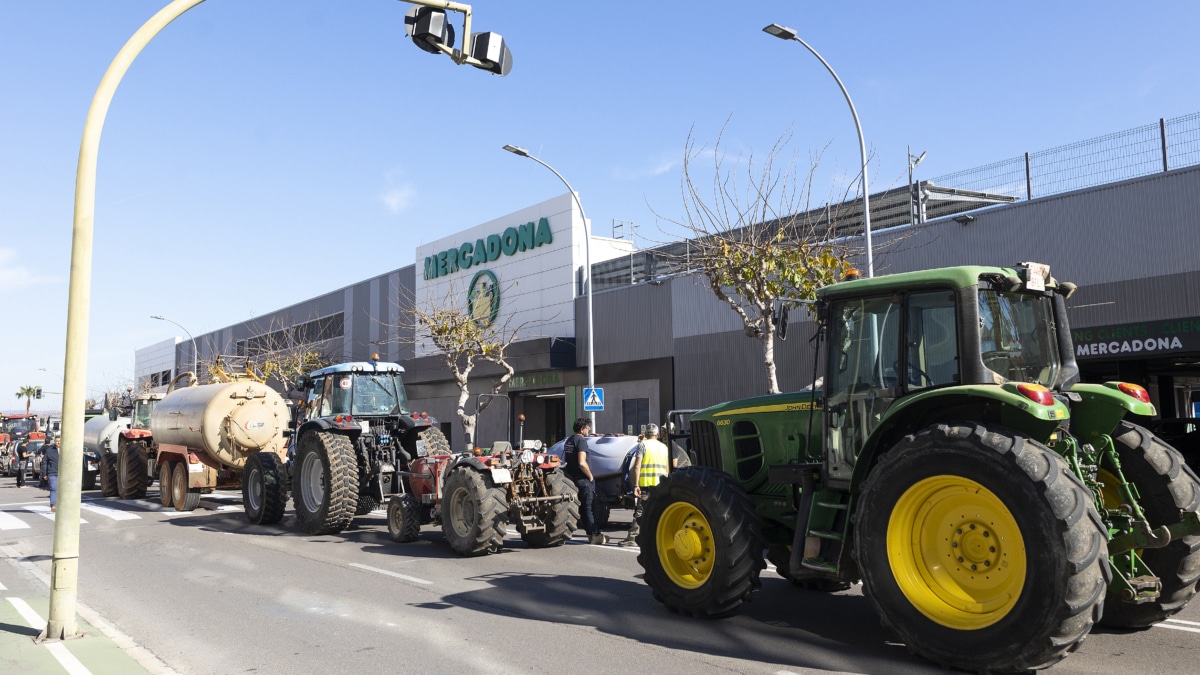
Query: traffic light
{"type": "Point", "coordinates": [429, 28]}
{"type": "Point", "coordinates": [37, 393]}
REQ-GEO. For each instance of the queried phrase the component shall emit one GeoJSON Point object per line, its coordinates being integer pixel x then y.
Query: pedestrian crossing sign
{"type": "Point", "coordinates": [593, 399]}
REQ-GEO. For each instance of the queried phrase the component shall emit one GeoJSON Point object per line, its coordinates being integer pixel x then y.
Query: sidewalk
{"type": "Point", "coordinates": [24, 606]}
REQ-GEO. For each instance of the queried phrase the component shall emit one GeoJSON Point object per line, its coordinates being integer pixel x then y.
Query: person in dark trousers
{"type": "Point", "coordinates": [577, 469]}
{"type": "Point", "coordinates": [22, 456]}
{"type": "Point", "coordinates": [51, 471]}
{"type": "Point", "coordinates": [648, 469]}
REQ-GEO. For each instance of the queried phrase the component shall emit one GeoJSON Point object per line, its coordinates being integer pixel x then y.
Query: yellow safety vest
{"type": "Point", "coordinates": [654, 462]}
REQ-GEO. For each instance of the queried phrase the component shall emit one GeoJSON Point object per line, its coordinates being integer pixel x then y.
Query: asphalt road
{"type": "Point", "coordinates": [206, 592]}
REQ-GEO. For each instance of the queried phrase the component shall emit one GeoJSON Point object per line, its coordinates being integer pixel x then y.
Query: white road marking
{"type": "Point", "coordinates": [45, 512]}
{"type": "Point", "coordinates": [10, 522]}
{"type": "Point", "coordinates": [391, 574]}
{"type": "Point", "coordinates": [57, 649]}
{"type": "Point", "coordinates": [115, 514]}
{"type": "Point", "coordinates": [1175, 627]}
{"type": "Point", "coordinates": [1188, 623]}
{"type": "Point", "coordinates": [3, 587]}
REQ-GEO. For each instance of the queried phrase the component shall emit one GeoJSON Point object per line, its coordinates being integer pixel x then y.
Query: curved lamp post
{"type": "Point", "coordinates": [785, 33]}
{"type": "Point", "coordinates": [587, 277]}
{"type": "Point", "coordinates": [195, 352]}
{"type": "Point", "coordinates": [425, 26]}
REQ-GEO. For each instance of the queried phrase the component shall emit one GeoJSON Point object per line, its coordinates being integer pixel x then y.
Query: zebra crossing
{"type": "Point", "coordinates": [25, 516]}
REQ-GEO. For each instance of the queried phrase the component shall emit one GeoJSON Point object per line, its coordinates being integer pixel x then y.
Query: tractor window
{"type": "Point", "coordinates": [748, 449]}
{"type": "Point", "coordinates": [1017, 336]}
{"type": "Point", "coordinates": [863, 376]}
{"type": "Point", "coordinates": [375, 394]}
{"type": "Point", "coordinates": [932, 341]}
{"type": "Point", "coordinates": [338, 390]}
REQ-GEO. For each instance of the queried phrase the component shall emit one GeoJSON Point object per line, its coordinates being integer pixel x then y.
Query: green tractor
{"type": "Point", "coordinates": [993, 506]}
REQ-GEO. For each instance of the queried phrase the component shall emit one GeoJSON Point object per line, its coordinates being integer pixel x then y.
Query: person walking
{"type": "Point", "coordinates": [577, 469]}
{"type": "Point", "coordinates": [22, 456]}
{"type": "Point", "coordinates": [648, 468]}
{"type": "Point", "coordinates": [51, 470]}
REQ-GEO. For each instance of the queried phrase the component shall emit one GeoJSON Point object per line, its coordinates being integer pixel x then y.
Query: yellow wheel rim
{"type": "Point", "coordinates": [1112, 495]}
{"type": "Point", "coordinates": [685, 545]}
{"type": "Point", "coordinates": [956, 552]}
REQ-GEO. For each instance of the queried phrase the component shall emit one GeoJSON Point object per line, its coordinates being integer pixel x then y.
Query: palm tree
{"type": "Point", "coordinates": [28, 394]}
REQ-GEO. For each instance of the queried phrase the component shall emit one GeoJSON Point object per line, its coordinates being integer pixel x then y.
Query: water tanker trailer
{"type": "Point", "coordinates": [101, 437]}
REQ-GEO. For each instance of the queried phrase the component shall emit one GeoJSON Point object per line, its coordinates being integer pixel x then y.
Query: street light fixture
{"type": "Point", "coordinates": [785, 33]}
{"type": "Point", "coordinates": [587, 276]}
{"type": "Point", "coordinates": [64, 571]}
{"type": "Point", "coordinates": [195, 352]}
{"type": "Point", "coordinates": [914, 162]}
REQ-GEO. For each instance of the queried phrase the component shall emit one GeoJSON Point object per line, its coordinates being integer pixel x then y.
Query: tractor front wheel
{"type": "Point", "coordinates": [1169, 490]}
{"type": "Point", "coordinates": [474, 512]}
{"type": "Point", "coordinates": [981, 549]}
{"type": "Point", "coordinates": [404, 518]}
{"type": "Point", "coordinates": [559, 518]}
{"type": "Point", "coordinates": [701, 543]}
{"type": "Point", "coordinates": [326, 482]}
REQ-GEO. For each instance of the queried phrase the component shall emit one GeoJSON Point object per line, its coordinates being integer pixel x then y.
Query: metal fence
{"type": "Point", "coordinates": [1167, 144]}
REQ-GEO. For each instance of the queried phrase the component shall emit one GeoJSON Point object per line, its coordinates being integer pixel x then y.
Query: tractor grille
{"type": "Point", "coordinates": [706, 444]}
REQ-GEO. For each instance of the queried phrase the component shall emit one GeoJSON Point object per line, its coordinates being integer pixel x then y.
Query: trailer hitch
{"type": "Point", "coordinates": [1140, 536]}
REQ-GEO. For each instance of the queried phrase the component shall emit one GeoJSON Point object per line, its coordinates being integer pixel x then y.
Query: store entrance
{"type": "Point", "coordinates": [545, 415]}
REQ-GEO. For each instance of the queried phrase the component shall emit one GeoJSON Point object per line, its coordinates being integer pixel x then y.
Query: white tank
{"type": "Point", "coordinates": [228, 421]}
{"type": "Point", "coordinates": [100, 434]}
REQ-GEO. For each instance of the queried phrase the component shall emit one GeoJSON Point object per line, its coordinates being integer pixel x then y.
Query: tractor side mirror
{"type": "Point", "coordinates": [781, 319]}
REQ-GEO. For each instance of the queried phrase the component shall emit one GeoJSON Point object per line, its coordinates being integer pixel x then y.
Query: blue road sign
{"type": "Point", "coordinates": [593, 399]}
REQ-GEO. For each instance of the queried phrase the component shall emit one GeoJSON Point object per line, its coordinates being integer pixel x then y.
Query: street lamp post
{"type": "Point", "coordinates": [914, 162]}
{"type": "Point", "coordinates": [486, 51]}
{"type": "Point", "coordinates": [195, 352]}
{"type": "Point", "coordinates": [587, 276]}
{"type": "Point", "coordinates": [785, 33]}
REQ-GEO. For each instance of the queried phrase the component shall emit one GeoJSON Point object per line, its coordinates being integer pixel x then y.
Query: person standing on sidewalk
{"type": "Point", "coordinates": [648, 468]}
{"type": "Point", "coordinates": [51, 455]}
{"type": "Point", "coordinates": [577, 469]}
{"type": "Point", "coordinates": [22, 453]}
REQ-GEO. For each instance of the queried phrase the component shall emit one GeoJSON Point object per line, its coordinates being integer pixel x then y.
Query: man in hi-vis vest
{"type": "Point", "coordinates": [649, 466]}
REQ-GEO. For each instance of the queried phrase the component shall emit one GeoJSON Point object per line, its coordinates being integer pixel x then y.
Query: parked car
{"type": "Point", "coordinates": [8, 461]}
{"type": "Point", "coordinates": [33, 465]}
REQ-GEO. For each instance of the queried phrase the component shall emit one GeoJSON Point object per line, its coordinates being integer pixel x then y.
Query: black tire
{"type": "Point", "coordinates": [132, 470]}
{"type": "Point", "coordinates": [559, 518]}
{"type": "Point", "coordinates": [1001, 523]}
{"type": "Point", "coordinates": [165, 471]}
{"type": "Point", "coordinates": [706, 512]}
{"type": "Point", "coordinates": [780, 555]}
{"type": "Point", "coordinates": [366, 504]}
{"type": "Point", "coordinates": [474, 512]}
{"type": "Point", "coordinates": [404, 518]}
{"type": "Point", "coordinates": [435, 441]}
{"type": "Point", "coordinates": [183, 497]}
{"type": "Point", "coordinates": [601, 510]}
{"type": "Point", "coordinates": [264, 494]}
{"type": "Point", "coordinates": [108, 475]}
{"type": "Point", "coordinates": [325, 484]}
{"type": "Point", "coordinates": [89, 477]}
{"type": "Point", "coordinates": [1168, 489]}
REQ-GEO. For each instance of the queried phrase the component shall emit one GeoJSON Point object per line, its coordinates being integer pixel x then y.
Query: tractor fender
{"type": "Point", "coordinates": [987, 404]}
{"type": "Point", "coordinates": [499, 476]}
{"type": "Point", "coordinates": [1101, 408]}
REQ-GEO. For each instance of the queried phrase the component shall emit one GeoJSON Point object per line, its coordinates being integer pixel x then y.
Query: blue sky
{"type": "Point", "coordinates": [262, 152]}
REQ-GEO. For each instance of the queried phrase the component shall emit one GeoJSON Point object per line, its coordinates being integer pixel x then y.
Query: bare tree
{"type": "Point", "coordinates": [464, 336]}
{"type": "Point", "coordinates": [759, 244]}
{"type": "Point", "coordinates": [279, 351]}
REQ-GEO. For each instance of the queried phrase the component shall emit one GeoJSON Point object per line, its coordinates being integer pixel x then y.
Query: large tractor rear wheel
{"type": "Point", "coordinates": [264, 489]}
{"type": "Point", "coordinates": [326, 482]}
{"type": "Point", "coordinates": [1169, 490]}
{"type": "Point", "coordinates": [132, 470]}
{"type": "Point", "coordinates": [404, 518]}
{"type": "Point", "coordinates": [701, 543]}
{"type": "Point", "coordinates": [474, 513]}
{"type": "Point", "coordinates": [559, 518]}
{"type": "Point", "coordinates": [981, 549]}
{"type": "Point", "coordinates": [108, 475]}
{"type": "Point", "coordinates": [436, 442]}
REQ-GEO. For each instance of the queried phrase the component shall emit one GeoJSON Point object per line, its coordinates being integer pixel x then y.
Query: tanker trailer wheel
{"type": "Point", "coordinates": [133, 470]}
{"type": "Point", "coordinates": [474, 512]}
{"type": "Point", "coordinates": [183, 497]}
{"type": "Point", "coordinates": [701, 543]}
{"type": "Point", "coordinates": [264, 494]}
{"type": "Point", "coordinates": [404, 518]}
{"type": "Point", "coordinates": [165, 471]}
{"type": "Point", "coordinates": [325, 482]}
{"type": "Point", "coordinates": [108, 475]}
{"type": "Point", "coordinates": [1168, 491]}
{"type": "Point", "coordinates": [559, 518]}
{"type": "Point", "coordinates": [981, 549]}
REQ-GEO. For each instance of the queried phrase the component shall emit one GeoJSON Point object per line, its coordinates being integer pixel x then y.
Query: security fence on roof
{"type": "Point", "coordinates": [1161, 146]}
